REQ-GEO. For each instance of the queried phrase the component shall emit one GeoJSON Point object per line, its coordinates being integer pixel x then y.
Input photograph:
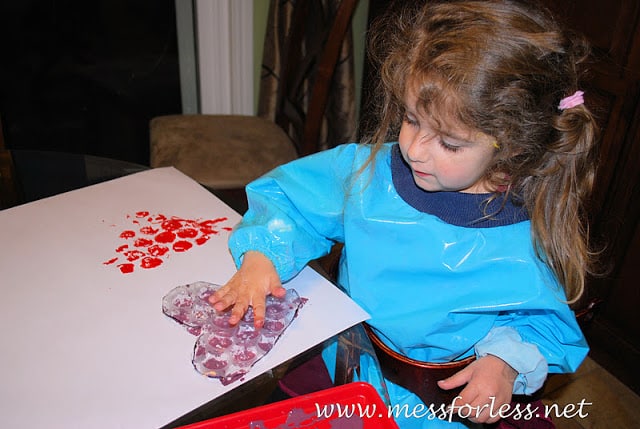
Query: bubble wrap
{"type": "Point", "coordinates": [225, 351]}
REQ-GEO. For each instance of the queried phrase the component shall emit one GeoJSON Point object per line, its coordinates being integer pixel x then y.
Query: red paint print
{"type": "Point", "coordinates": [157, 236]}
{"type": "Point", "coordinates": [157, 219]}
{"type": "Point", "coordinates": [165, 237]}
{"type": "Point", "coordinates": [157, 250]}
{"type": "Point", "coordinates": [171, 225]}
{"type": "Point", "coordinates": [201, 240]}
{"type": "Point", "coordinates": [208, 226]}
{"type": "Point", "coordinates": [127, 234]}
{"type": "Point", "coordinates": [187, 233]}
{"type": "Point", "coordinates": [182, 246]}
{"type": "Point", "coordinates": [150, 262]}
{"type": "Point", "coordinates": [126, 268]}
{"type": "Point", "coordinates": [133, 255]}
{"type": "Point", "coordinates": [143, 242]}
{"type": "Point", "coordinates": [149, 230]}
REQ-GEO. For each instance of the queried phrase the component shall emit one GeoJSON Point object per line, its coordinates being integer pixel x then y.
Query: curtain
{"type": "Point", "coordinates": [339, 122]}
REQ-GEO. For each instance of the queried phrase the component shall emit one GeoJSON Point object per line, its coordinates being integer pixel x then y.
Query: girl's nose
{"type": "Point", "coordinates": [419, 150]}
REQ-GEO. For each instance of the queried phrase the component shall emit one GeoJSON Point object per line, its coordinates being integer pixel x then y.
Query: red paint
{"type": "Point", "coordinates": [126, 268]}
{"type": "Point", "coordinates": [133, 255]}
{"type": "Point", "coordinates": [216, 220]}
{"type": "Point", "coordinates": [207, 227]}
{"type": "Point", "coordinates": [201, 240]}
{"type": "Point", "coordinates": [143, 242]}
{"type": "Point", "coordinates": [149, 230]}
{"type": "Point", "coordinates": [150, 262]}
{"type": "Point", "coordinates": [165, 237]}
{"type": "Point", "coordinates": [157, 250]}
{"type": "Point", "coordinates": [127, 234]}
{"type": "Point", "coordinates": [187, 233]}
{"type": "Point", "coordinates": [182, 246]}
{"type": "Point", "coordinates": [158, 219]}
{"type": "Point", "coordinates": [157, 236]}
{"type": "Point", "coordinates": [171, 225]}
{"type": "Point", "coordinates": [208, 231]}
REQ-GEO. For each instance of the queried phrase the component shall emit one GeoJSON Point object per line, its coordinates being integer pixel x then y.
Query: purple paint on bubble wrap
{"type": "Point", "coordinates": [222, 350]}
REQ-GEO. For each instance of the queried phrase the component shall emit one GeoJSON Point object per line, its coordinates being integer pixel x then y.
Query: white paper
{"type": "Point", "coordinates": [85, 345]}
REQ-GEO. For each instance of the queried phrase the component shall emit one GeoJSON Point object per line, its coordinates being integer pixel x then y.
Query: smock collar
{"type": "Point", "coordinates": [455, 208]}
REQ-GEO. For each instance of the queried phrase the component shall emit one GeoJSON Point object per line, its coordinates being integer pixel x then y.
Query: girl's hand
{"type": "Point", "coordinates": [256, 278]}
{"type": "Point", "coordinates": [486, 378]}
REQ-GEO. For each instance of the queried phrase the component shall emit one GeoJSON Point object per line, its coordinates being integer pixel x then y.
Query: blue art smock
{"type": "Point", "coordinates": [441, 280]}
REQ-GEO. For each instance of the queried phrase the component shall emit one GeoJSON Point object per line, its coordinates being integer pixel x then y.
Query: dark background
{"type": "Point", "coordinates": [87, 76]}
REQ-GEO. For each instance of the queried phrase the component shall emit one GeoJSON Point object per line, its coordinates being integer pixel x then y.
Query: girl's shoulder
{"type": "Point", "coordinates": [355, 156]}
{"type": "Point", "coordinates": [363, 150]}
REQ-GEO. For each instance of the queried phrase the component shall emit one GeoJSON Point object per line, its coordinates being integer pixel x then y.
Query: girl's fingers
{"type": "Point", "coordinates": [249, 286]}
{"type": "Point", "coordinates": [223, 298]}
{"type": "Point", "coordinates": [278, 291]}
{"type": "Point", "coordinates": [237, 312]}
{"type": "Point", "coordinates": [259, 309]}
{"type": "Point", "coordinates": [458, 379]}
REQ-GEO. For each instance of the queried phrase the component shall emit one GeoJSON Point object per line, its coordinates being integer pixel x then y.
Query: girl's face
{"type": "Point", "coordinates": [453, 158]}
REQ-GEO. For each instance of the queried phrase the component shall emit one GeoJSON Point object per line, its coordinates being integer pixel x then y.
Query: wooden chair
{"type": "Point", "coordinates": [225, 152]}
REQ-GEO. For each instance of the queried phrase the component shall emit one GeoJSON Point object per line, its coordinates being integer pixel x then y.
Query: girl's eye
{"type": "Point", "coordinates": [410, 121]}
{"type": "Point", "coordinates": [448, 146]}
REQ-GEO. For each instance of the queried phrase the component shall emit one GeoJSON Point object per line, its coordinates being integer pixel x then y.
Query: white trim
{"type": "Point", "coordinates": [185, 19]}
{"type": "Point", "coordinates": [225, 56]}
{"type": "Point", "coordinates": [242, 56]}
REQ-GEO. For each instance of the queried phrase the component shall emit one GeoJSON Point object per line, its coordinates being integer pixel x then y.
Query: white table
{"type": "Point", "coordinates": [86, 346]}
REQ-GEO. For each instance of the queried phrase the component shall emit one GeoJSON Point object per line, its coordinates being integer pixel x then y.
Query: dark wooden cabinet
{"type": "Point", "coordinates": [612, 27]}
{"type": "Point", "coordinates": [613, 92]}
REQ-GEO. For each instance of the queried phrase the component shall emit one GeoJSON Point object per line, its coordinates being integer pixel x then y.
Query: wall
{"type": "Point", "coordinates": [87, 76]}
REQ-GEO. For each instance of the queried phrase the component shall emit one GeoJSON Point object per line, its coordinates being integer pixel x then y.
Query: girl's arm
{"type": "Point", "coordinates": [525, 358]}
{"type": "Point", "coordinates": [295, 215]}
{"type": "Point", "coordinates": [505, 365]}
{"type": "Point", "coordinates": [296, 212]}
{"type": "Point", "coordinates": [515, 357]}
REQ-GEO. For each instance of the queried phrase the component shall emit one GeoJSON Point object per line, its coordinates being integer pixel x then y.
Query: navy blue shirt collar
{"type": "Point", "coordinates": [456, 208]}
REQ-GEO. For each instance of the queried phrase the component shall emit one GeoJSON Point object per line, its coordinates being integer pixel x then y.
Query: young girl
{"type": "Point", "coordinates": [467, 235]}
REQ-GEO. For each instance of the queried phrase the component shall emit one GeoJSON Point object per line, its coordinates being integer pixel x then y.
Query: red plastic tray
{"type": "Point", "coordinates": [302, 412]}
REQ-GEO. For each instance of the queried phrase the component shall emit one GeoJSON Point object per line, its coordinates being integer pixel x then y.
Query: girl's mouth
{"type": "Point", "coordinates": [422, 174]}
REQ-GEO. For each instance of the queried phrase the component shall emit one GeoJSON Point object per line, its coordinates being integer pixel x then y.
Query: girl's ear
{"type": "Point", "coordinates": [500, 181]}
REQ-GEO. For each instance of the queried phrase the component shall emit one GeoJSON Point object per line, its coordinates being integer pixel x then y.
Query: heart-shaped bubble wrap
{"type": "Point", "coordinates": [222, 350]}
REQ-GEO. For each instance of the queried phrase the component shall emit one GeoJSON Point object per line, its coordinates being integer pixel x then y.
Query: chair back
{"type": "Point", "coordinates": [308, 62]}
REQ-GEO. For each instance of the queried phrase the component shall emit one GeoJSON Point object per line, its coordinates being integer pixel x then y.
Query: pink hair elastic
{"type": "Point", "coordinates": [572, 101]}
